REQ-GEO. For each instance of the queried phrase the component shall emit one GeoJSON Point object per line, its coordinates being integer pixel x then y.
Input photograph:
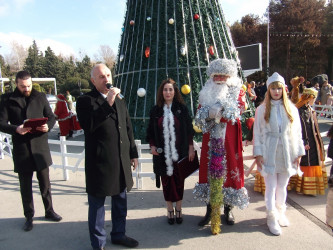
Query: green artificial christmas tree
{"type": "Point", "coordinates": [168, 39]}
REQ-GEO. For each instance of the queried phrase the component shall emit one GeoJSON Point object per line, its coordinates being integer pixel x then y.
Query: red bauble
{"type": "Point", "coordinates": [196, 16]}
{"type": "Point", "coordinates": [132, 22]}
{"type": "Point", "coordinates": [211, 50]}
{"type": "Point", "coordinates": [147, 52]}
{"type": "Point", "coordinates": [249, 122]}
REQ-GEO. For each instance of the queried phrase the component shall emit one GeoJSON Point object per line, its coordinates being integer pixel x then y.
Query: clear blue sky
{"type": "Point", "coordinates": [71, 26]}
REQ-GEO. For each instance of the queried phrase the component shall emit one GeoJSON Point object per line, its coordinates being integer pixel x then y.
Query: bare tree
{"type": "Point", "coordinates": [17, 56]}
{"type": "Point", "coordinates": [106, 55]}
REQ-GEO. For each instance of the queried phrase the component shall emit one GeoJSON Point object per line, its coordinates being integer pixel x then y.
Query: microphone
{"type": "Point", "coordinates": [110, 86]}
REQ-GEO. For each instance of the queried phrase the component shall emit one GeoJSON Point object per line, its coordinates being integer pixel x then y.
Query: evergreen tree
{"type": "Point", "coordinates": [84, 68]}
{"type": "Point", "coordinates": [52, 66]}
{"type": "Point", "coordinates": [5, 68]}
{"type": "Point", "coordinates": [69, 67]}
{"type": "Point", "coordinates": [34, 61]}
{"type": "Point", "coordinates": [168, 39]}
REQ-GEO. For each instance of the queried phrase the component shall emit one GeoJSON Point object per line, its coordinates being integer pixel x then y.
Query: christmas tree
{"type": "Point", "coordinates": [168, 39]}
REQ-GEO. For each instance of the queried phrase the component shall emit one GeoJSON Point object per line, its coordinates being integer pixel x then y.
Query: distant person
{"type": "Point", "coordinates": [251, 92]}
{"type": "Point", "coordinates": [325, 92]}
{"type": "Point", "coordinates": [30, 150]}
{"type": "Point", "coordinates": [308, 84]}
{"type": "Point", "coordinates": [69, 100]}
{"type": "Point", "coordinates": [110, 151]}
{"type": "Point", "coordinates": [63, 116]}
{"type": "Point", "coordinates": [260, 91]}
{"type": "Point", "coordinates": [311, 182]}
{"type": "Point", "coordinates": [329, 204]}
{"type": "Point", "coordinates": [317, 87]}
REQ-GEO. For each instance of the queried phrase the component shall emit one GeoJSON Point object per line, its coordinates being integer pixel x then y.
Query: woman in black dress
{"type": "Point", "coordinates": [170, 136]}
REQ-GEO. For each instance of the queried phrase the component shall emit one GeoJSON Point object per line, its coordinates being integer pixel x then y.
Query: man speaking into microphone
{"type": "Point", "coordinates": [110, 152]}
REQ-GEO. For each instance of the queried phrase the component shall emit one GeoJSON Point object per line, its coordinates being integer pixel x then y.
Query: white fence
{"type": "Point", "coordinates": [74, 161]}
{"type": "Point", "coordinates": [323, 111]}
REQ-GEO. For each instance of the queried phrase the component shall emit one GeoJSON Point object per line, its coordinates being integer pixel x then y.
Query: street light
{"type": "Point", "coordinates": [1, 82]}
{"type": "Point", "coordinates": [268, 40]}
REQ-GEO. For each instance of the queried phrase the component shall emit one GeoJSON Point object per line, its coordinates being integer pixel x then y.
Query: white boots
{"type": "Point", "coordinates": [272, 222]}
{"type": "Point", "coordinates": [277, 218]}
{"type": "Point", "coordinates": [283, 220]}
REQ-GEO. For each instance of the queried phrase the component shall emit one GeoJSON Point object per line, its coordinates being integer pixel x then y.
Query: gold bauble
{"type": "Point", "coordinates": [196, 128]}
{"type": "Point", "coordinates": [186, 89]}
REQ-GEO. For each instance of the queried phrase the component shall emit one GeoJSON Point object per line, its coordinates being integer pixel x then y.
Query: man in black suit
{"type": "Point", "coordinates": [110, 152]}
{"type": "Point", "coordinates": [30, 150]}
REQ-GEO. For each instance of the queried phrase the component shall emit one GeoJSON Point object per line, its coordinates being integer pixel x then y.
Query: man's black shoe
{"type": "Point", "coordinates": [53, 216]}
{"type": "Point", "coordinates": [28, 225]}
{"type": "Point", "coordinates": [126, 241]}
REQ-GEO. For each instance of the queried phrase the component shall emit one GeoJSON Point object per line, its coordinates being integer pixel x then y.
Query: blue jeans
{"type": "Point", "coordinates": [96, 218]}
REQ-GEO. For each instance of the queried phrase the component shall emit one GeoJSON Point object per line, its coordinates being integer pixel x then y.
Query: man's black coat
{"type": "Point", "coordinates": [31, 152]}
{"type": "Point", "coordinates": [109, 143]}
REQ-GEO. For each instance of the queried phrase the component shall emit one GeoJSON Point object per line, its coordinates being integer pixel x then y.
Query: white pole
{"type": "Point", "coordinates": [63, 151]}
{"type": "Point", "coordinates": [139, 181]}
{"type": "Point", "coordinates": [268, 42]}
{"type": "Point", "coordinates": [1, 82]}
{"type": "Point", "coordinates": [2, 155]}
{"type": "Point", "coordinates": [55, 87]}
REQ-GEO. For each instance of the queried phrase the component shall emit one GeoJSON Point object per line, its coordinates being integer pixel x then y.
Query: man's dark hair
{"type": "Point", "coordinates": [24, 75]}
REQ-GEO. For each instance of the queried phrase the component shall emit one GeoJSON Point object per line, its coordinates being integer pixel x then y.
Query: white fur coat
{"type": "Point", "coordinates": [266, 137]}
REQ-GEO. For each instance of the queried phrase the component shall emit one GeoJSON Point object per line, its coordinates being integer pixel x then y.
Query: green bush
{"type": "Point", "coordinates": [36, 86]}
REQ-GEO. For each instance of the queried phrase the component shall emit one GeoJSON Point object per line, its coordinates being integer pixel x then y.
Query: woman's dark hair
{"type": "Point", "coordinates": [160, 99]}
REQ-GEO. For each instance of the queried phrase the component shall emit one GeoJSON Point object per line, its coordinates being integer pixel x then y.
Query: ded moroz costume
{"type": "Point", "coordinates": [221, 173]}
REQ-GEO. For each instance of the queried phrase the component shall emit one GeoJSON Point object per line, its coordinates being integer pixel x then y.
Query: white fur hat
{"type": "Point", "coordinates": [275, 78]}
{"type": "Point", "coordinates": [222, 66]}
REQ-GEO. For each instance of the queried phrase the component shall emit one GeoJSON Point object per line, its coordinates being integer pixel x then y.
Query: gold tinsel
{"type": "Point", "coordinates": [216, 201]}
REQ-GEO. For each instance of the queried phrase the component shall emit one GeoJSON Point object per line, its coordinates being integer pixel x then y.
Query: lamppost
{"type": "Point", "coordinates": [268, 40]}
{"type": "Point", "coordinates": [1, 82]}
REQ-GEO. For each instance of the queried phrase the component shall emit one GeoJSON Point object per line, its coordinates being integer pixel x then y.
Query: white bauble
{"type": "Point", "coordinates": [141, 92]}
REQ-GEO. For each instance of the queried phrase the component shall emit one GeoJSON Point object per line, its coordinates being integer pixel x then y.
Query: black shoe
{"type": "Point", "coordinates": [206, 219]}
{"type": "Point", "coordinates": [179, 218]}
{"type": "Point", "coordinates": [28, 225]}
{"type": "Point", "coordinates": [229, 217]}
{"type": "Point", "coordinates": [171, 217]}
{"type": "Point", "coordinates": [53, 216]}
{"type": "Point", "coordinates": [126, 241]}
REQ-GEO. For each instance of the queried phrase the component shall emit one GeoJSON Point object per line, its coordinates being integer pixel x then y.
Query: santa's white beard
{"type": "Point", "coordinates": [226, 96]}
{"type": "Point", "coordinates": [212, 92]}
